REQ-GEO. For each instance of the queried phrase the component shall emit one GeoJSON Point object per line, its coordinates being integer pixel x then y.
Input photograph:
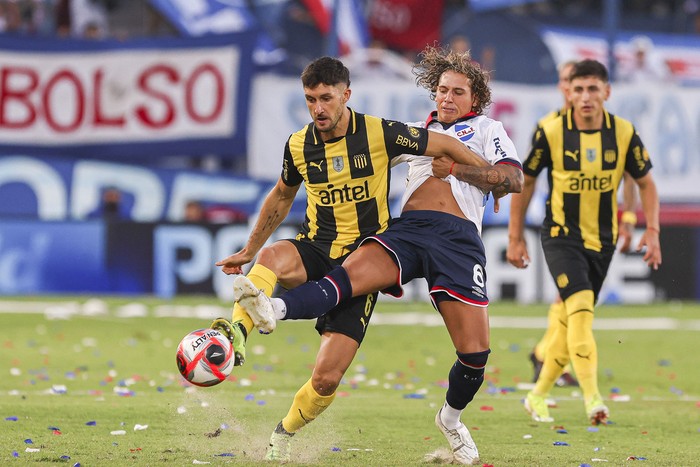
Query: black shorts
{"type": "Point", "coordinates": [573, 267]}
{"type": "Point", "coordinates": [350, 317]}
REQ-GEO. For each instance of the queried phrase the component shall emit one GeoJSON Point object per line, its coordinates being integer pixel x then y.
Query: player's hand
{"type": "Point", "coordinates": [624, 238]}
{"type": "Point", "coordinates": [442, 166]}
{"type": "Point", "coordinates": [516, 254]}
{"type": "Point", "coordinates": [650, 240]}
{"type": "Point", "coordinates": [233, 264]}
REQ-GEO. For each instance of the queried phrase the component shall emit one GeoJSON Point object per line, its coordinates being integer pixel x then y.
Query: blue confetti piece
{"type": "Point", "coordinates": [593, 429]}
{"type": "Point", "coordinates": [28, 441]}
{"type": "Point", "coordinates": [563, 432]}
{"type": "Point", "coordinates": [249, 397]}
{"type": "Point", "coordinates": [335, 449]}
{"type": "Point", "coordinates": [585, 465]}
{"type": "Point", "coordinates": [77, 464]}
{"type": "Point", "coordinates": [160, 389]}
{"type": "Point", "coordinates": [91, 423]}
{"type": "Point", "coordinates": [224, 426]}
{"type": "Point", "coordinates": [11, 419]}
{"type": "Point", "coordinates": [664, 362]}
{"type": "Point", "coordinates": [615, 390]}
{"type": "Point", "coordinates": [225, 454]}
{"type": "Point", "coordinates": [54, 428]}
{"type": "Point", "coordinates": [560, 443]}
{"type": "Point", "coordinates": [261, 402]}
{"type": "Point", "coordinates": [65, 458]}
{"type": "Point", "coordinates": [414, 396]}
{"type": "Point", "coordinates": [15, 454]}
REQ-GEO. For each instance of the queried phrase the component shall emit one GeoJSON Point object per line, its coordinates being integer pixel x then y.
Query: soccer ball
{"type": "Point", "coordinates": [205, 357]}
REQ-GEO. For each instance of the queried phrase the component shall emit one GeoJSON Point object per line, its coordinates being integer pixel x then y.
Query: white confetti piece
{"type": "Point", "coordinates": [15, 371]}
{"type": "Point", "coordinates": [527, 436]}
{"type": "Point", "coordinates": [181, 410]}
{"type": "Point", "coordinates": [117, 432]}
{"type": "Point", "coordinates": [200, 462]}
{"type": "Point", "coordinates": [31, 450]}
{"type": "Point", "coordinates": [138, 427]}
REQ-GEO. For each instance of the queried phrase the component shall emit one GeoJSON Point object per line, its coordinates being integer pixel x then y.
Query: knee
{"type": "Point", "coordinates": [266, 257]}
{"type": "Point", "coordinates": [325, 383]}
{"type": "Point", "coordinates": [475, 361]}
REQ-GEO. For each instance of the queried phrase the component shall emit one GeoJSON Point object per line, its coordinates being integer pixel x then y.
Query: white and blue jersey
{"type": "Point", "coordinates": [483, 135]}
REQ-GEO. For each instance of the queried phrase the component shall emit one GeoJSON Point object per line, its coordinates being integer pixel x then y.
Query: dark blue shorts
{"type": "Point", "coordinates": [444, 249]}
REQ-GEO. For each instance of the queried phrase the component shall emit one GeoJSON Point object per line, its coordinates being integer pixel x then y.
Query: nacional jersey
{"type": "Point", "coordinates": [347, 178]}
{"type": "Point", "coordinates": [483, 135]}
{"type": "Point", "coordinates": [585, 170]}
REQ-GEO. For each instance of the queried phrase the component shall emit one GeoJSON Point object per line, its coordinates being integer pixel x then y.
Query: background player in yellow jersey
{"type": "Point", "coordinates": [626, 228]}
{"type": "Point", "coordinates": [344, 159]}
{"type": "Point", "coordinates": [586, 152]}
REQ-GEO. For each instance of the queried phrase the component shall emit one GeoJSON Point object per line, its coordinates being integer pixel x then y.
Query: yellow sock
{"type": "Point", "coordinates": [582, 345]}
{"type": "Point", "coordinates": [556, 356]}
{"type": "Point", "coordinates": [307, 405]}
{"type": "Point", "coordinates": [552, 323]}
{"type": "Point", "coordinates": [265, 280]}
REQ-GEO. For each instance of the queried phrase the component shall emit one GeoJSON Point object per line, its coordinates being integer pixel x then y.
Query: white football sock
{"type": "Point", "coordinates": [279, 308]}
{"type": "Point", "coordinates": [450, 416]}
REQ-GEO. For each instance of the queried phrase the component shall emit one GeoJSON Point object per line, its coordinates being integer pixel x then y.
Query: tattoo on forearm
{"type": "Point", "coordinates": [271, 221]}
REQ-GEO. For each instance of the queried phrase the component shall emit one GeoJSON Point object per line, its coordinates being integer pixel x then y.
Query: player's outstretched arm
{"type": "Point", "coordinates": [273, 211]}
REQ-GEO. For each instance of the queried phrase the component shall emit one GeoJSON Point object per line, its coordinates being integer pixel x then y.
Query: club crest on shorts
{"type": "Point", "coordinates": [338, 163]}
{"type": "Point", "coordinates": [464, 132]}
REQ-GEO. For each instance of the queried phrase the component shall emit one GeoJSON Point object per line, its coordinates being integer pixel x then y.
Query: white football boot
{"type": "Point", "coordinates": [256, 304]}
{"type": "Point", "coordinates": [461, 442]}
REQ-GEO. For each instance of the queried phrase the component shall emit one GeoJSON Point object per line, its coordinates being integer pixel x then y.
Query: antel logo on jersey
{"type": "Point", "coordinates": [464, 132]}
{"type": "Point", "coordinates": [343, 194]}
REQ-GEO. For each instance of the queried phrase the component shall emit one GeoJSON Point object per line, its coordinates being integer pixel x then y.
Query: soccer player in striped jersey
{"type": "Point", "coordinates": [343, 157]}
{"type": "Point", "coordinates": [437, 237]}
{"type": "Point", "coordinates": [586, 151]}
{"type": "Point", "coordinates": [625, 230]}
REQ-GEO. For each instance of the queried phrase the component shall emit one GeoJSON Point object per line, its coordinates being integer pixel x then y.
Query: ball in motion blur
{"type": "Point", "coordinates": [205, 357]}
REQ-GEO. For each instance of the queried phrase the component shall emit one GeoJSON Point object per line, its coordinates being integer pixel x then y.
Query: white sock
{"type": "Point", "coordinates": [450, 416]}
{"type": "Point", "coordinates": [279, 308]}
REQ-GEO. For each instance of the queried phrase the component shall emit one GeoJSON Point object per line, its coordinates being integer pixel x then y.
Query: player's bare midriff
{"type": "Point", "coordinates": [434, 195]}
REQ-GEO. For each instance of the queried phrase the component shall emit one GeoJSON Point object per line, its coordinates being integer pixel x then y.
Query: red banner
{"type": "Point", "coordinates": [406, 24]}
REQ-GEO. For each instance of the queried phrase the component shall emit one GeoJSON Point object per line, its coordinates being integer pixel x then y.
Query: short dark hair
{"type": "Point", "coordinates": [589, 67]}
{"type": "Point", "coordinates": [325, 70]}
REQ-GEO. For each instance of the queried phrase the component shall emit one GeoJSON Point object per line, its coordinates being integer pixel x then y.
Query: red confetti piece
{"type": "Point", "coordinates": [136, 449]}
{"type": "Point", "coordinates": [56, 432]}
{"type": "Point", "coordinates": [486, 408]}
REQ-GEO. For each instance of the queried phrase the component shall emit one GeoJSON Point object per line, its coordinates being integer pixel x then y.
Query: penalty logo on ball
{"type": "Point", "coordinates": [205, 357]}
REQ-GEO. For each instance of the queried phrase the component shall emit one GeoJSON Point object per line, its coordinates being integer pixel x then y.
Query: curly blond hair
{"type": "Point", "coordinates": [437, 60]}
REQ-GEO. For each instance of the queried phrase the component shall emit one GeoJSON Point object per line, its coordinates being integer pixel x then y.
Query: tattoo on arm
{"type": "Point", "coordinates": [500, 181]}
{"type": "Point", "coordinates": [271, 221]}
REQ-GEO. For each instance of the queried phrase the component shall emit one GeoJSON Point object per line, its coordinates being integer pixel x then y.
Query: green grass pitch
{"type": "Point", "coordinates": [104, 390]}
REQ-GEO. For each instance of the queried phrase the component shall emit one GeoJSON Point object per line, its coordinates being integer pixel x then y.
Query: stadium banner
{"type": "Point", "coordinates": [168, 259]}
{"type": "Point", "coordinates": [56, 189]}
{"type": "Point", "coordinates": [678, 57]}
{"type": "Point", "coordinates": [136, 98]}
{"type": "Point", "coordinates": [666, 120]}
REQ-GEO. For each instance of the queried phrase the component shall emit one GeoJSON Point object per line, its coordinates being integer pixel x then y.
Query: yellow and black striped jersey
{"type": "Point", "coordinates": [347, 178]}
{"type": "Point", "coordinates": [585, 170]}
